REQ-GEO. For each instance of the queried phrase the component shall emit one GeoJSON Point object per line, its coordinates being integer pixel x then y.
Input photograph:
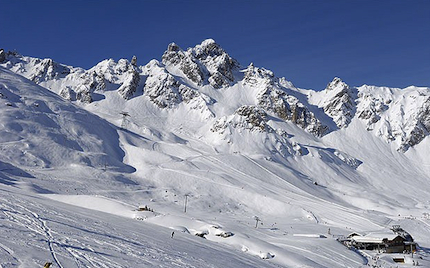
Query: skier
{"type": "Point", "coordinates": [173, 233]}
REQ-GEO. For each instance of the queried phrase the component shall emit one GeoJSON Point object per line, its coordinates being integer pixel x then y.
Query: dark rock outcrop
{"type": "Point", "coordinates": [339, 102]}
{"type": "Point", "coordinates": [251, 118]}
{"type": "Point", "coordinates": [206, 63]}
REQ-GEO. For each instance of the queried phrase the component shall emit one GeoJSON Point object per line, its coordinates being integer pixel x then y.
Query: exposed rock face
{"type": "Point", "coordinates": [2, 55]}
{"type": "Point", "coordinates": [421, 127]}
{"type": "Point", "coordinates": [47, 69]}
{"type": "Point", "coordinates": [289, 108]}
{"type": "Point", "coordinates": [175, 56]}
{"type": "Point", "coordinates": [251, 118]}
{"type": "Point", "coordinates": [273, 98]}
{"type": "Point", "coordinates": [166, 92]}
{"type": "Point", "coordinates": [347, 159]}
{"type": "Point", "coordinates": [131, 81]}
{"type": "Point", "coordinates": [130, 84]}
{"type": "Point", "coordinates": [371, 109]}
{"type": "Point", "coordinates": [134, 61]}
{"type": "Point", "coordinates": [83, 94]}
{"type": "Point", "coordinates": [161, 87]}
{"type": "Point", "coordinates": [416, 135]}
{"type": "Point", "coordinates": [255, 118]}
{"type": "Point", "coordinates": [424, 115]}
{"type": "Point", "coordinates": [94, 81]}
{"type": "Point", "coordinates": [68, 93]}
{"type": "Point", "coordinates": [205, 63]}
{"type": "Point", "coordinates": [258, 76]}
{"type": "Point", "coordinates": [76, 83]}
{"type": "Point", "coordinates": [219, 64]}
{"type": "Point", "coordinates": [396, 115]}
{"type": "Point", "coordinates": [106, 74]}
{"type": "Point", "coordinates": [339, 102]}
{"type": "Point", "coordinates": [37, 70]}
{"type": "Point", "coordinates": [34, 69]}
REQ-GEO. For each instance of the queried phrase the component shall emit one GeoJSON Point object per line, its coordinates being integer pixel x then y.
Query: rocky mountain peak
{"type": "Point", "coordinates": [401, 116]}
{"type": "Point", "coordinates": [35, 69]}
{"type": "Point", "coordinates": [338, 101]}
{"type": "Point", "coordinates": [121, 74]}
{"type": "Point", "coordinates": [173, 47]}
{"type": "Point", "coordinates": [254, 75]}
{"type": "Point", "coordinates": [206, 63]}
{"type": "Point", "coordinates": [208, 48]}
{"type": "Point", "coordinates": [218, 63]}
{"type": "Point", "coordinates": [186, 79]}
{"type": "Point", "coordinates": [185, 62]}
{"type": "Point", "coordinates": [2, 55]}
{"type": "Point", "coordinates": [165, 91]}
{"type": "Point", "coordinates": [336, 84]}
{"type": "Point", "coordinates": [134, 61]}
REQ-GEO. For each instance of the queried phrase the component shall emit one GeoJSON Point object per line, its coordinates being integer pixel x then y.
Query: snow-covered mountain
{"type": "Point", "coordinates": [192, 77]}
{"type": "Point", "coordinates": [400, 116]}
{"type": "Point", "coordinates": [230, 142]}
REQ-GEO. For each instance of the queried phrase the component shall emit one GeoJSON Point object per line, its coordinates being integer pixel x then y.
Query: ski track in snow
{"type": "Point", "coordinates": [9, 258]}
{"type": "Point", "coordinates": [33, 222]}
{"type": "Point", "coordinates": [304, 196]}
{"type": "Point", "coordinates": [49, 237]}
{"type": "Point", "coordinates": [66, 251]}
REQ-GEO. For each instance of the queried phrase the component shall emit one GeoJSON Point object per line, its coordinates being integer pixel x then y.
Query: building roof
{"type": "Point", "coordinates": [375, 237]}
{"type": "Point", "coordinates": [354, 234]}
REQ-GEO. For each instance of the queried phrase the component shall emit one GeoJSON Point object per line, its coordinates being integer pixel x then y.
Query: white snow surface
{"type": "Point", "coordinates": [74, 174]}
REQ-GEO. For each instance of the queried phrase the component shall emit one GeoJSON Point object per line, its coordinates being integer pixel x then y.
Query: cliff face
{"type": "Point", "coordinates": [206, 63]}
{"type": "Point", "coordinates": [396, 115]}
{"type": "Point", "coordinates": [338, 101]}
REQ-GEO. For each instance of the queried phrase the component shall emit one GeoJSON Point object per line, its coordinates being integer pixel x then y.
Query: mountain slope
{"type": "Point", "coordinates": [47, 131]}
{"type": "Point", "coordinates": [203, 76]}
{"type": "Point", "coordinates": [227, 142]}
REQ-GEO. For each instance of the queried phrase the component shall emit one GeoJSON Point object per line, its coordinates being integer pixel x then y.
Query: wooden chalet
{"type": "Point", "coordinates": [384, 242]}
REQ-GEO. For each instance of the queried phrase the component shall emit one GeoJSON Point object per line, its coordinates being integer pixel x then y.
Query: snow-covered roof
{"type": "Point", "coordinates": [375, 237]}
{"type": "Point", "coordinates": [354, 234]}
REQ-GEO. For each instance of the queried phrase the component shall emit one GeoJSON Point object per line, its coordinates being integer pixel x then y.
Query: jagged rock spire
{"type": "Point", "coordinates": [336, 83]}
{"type": "Point", "coordinates": [2, 55]}
{"type": "Point", "coordinates": [206, 63]}
{"type": "Point", "coordinates": [339, 102]}
{"type": "Point", "coordinates": [134, 61]}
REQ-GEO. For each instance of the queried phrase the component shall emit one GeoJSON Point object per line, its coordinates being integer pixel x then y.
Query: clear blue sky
{"type": "Point", "coordinates": [378, 42]}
